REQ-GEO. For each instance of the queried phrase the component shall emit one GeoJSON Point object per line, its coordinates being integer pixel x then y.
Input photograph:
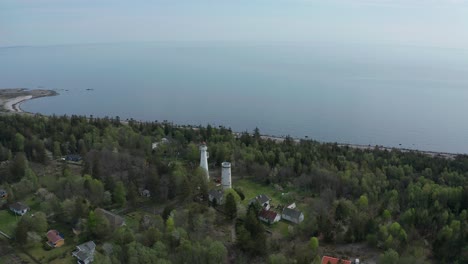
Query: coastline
{"type": "Point", "coordinates": [11, 99]}
{"type": "Point", "coordinates": [14, 105]}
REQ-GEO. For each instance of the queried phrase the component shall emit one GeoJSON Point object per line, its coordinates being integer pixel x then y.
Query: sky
{"type": "Point", "coordinates": [434, 23]}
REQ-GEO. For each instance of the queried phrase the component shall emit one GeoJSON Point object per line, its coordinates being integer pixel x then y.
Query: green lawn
{"type": "Point", "coordinates": [252, 189]}
{"type": "Point", "coordinates": [54, 255]}
{"type": "Point", "coordinates": [8, 222]}
{"type": "Point", "coordinates": [281, 227]}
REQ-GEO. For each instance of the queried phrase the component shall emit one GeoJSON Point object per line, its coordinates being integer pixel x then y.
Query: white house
{"type": "Point", "coordinates": [263, 200]}
{"type": "Point", "coordinates": [85, 252]}
{"type": "Point", "coordinates": [292, 215]}
{"type": "Point", "coordinates": [269, 217]}
{"type": "Point", "coordinates": [19, 208]}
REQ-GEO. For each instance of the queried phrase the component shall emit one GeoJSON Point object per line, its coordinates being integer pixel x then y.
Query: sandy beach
{"type": "Point", "coordinates": [13, 105]}
{"type": "Point", "coordinates": [11, 99]}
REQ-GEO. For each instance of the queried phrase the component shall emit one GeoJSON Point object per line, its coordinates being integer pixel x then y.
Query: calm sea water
{"type": "Point", "coordinates": [416, 97]}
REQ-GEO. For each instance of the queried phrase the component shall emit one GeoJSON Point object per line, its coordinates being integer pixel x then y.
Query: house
{"type": "Point", "coordinates": [3, 194]}
{"type": "Point", "coordinates": [55, 239]}
{"type": "Point", "coordinates": [263, 200]}
{"type": "Point", "coordinates": [292, 215]}
{"type": "Point", "coordinates": [292, 206]}
{"type": "Point", "coordinates": [85, 252]}
{"type": "Point", "coordinates": [216, 196]}
{"type": "Point", "coordinates": [331, 260]}
{"type": "Point", "coordinates": [114, 220]}
{"type": "Point", "coordinates": [19, 208]}
{"type": "Point", "coordinates": [269, 217]}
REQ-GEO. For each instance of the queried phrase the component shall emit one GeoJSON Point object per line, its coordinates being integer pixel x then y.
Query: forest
{"type": "Point", "coordinates": [407, 207]}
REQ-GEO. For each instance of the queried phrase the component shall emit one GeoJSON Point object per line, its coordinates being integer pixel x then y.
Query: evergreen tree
{"type": "Point", "coordinates": [119, 194]}
{"type": "Point", "coordinates": [230, 206]}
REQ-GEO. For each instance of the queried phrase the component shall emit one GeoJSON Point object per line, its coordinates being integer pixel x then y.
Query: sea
{"type": "Point", "coordinates": [396, 96]}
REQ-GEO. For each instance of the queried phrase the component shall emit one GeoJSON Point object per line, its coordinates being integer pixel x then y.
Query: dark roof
{"type": "Point", "coordinates": [218, 194]}
{"type": "Point", "coordinates": [54, 236]}
{"type": "Point", "coordinates": [114, 220]}
{"type": "Point", "coordinates": [269, 215]}
{"type": "Point", "coordinates": [262, 198]}
{"type": "Point", "coordinates": [331, 260]}
{"type": "Point", "coordinates": [18, 206]}
{"type": "Point", "coordinates": [87, 247]}
{"type": "Point", "coordinates": [293, 213]}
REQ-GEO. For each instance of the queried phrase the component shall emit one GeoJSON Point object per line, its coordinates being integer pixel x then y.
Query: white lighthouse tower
{"type": "Point", "coordinates": [204, 155]}
{"type": "Point", "coordinates": [226, 175]}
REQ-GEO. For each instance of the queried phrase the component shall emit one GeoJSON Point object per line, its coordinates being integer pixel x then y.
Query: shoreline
{"type": "Point", "coordinates": [14, 105]}
{"type": "Point", "coordinates": [11, 100]}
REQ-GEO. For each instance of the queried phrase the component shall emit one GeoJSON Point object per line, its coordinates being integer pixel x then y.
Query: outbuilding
{"type": "Point", "coordinates": [292, 215]}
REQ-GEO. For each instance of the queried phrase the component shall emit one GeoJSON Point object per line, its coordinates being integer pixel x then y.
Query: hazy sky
{"type": "Point", "coordinates": [441, 23]}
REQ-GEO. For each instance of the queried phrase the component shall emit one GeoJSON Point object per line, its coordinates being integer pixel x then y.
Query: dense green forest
{"type": "Point", "coordinates": [408, 207]}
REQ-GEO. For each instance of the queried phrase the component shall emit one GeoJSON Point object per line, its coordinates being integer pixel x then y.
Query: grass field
{"type": "Point", "coordinates": [252, 189]}
{"type": "Point", "coordinates": [55, 255]}
{"type": "Point", "coordinates": [8, 222]}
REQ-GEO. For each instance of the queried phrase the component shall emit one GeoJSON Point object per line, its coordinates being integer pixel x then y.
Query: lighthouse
{"type": "Point", "coordinates": [204, 159]}
{"type": "Point", "coordinates": [226, 175]}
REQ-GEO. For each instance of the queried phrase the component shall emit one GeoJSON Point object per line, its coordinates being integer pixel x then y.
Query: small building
{"type": "Point", "coordinates": [3, 194]}
{"type": "Point", "coordinates": [292, 215]}
{"type": "Point", "coordinates": [269, 217]}
{"type": "Point", "coordinates": [332, 260]}
{"type": "Point", "coordinates": [114, 220]}
{"type": "Point", "coordinates": [85, 252]}
{"type": "Point", "coordinates": [19, 208]}
{"type": "Point", "coordinates": [216, 196]}
{"type": "Point", "coordinates": [292, 206]}
{"type": "Point", "coordinates": [263, 200]}
{"type": "Point", "coordinates": [55, 239]}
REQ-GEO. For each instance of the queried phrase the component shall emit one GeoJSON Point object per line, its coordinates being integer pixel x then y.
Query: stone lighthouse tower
{"type": "Point", "coordinates": [204, 155]}
{"type": "Point", "coordinates": [226, 175]}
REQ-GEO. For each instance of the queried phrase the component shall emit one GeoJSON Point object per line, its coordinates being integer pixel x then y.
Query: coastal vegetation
{"type": "Point", "coordinates": [406, 207]}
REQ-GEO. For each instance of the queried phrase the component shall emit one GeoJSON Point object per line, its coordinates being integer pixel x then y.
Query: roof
{"type": "Point", "coordinates": [262, 198]}
{"type": "Point", "coordinates": [269, 215]}
{"type": "Point", "coordinates": [87, 247]}
{"type": "Point", "coordinates": [82, 255]}
{"type": "Point", "coordinates": [218, 194]}
{"type": "Point", "coordinates": [85, 251]}
{"type": "Point", "coordinates": [331, 260]}
{"type": "Point", "coordinates": [18, 206]}
{"type": "Point", "coordinates": [2, 191]}
{"type": "Point", "coordinates": [114, 220]}
{"type": "Point", "coordinates": [293, 213]}
{"type": "Point", "coordinates": [54, 236]}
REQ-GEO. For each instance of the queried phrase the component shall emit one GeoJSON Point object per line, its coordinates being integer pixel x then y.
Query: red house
{"type": "Point", "coordinates": [331, 260]}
